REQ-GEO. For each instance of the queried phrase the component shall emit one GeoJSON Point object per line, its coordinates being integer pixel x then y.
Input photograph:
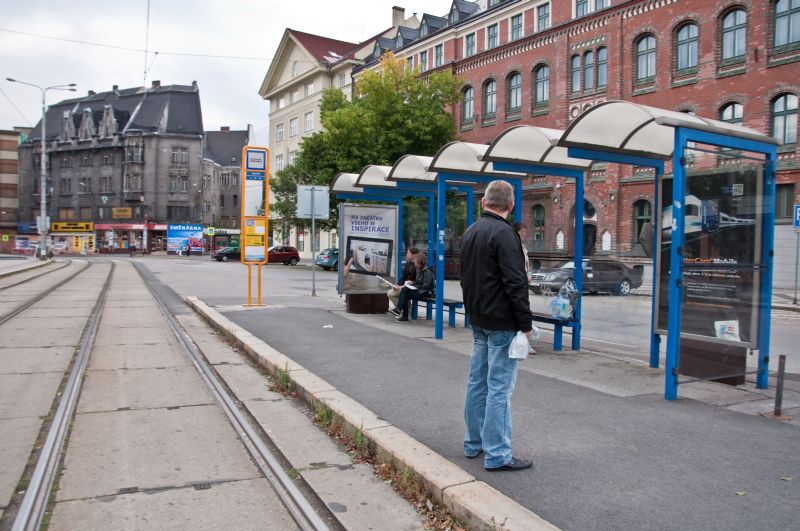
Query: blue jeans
{"type": "Point", "coordinates": [405, 296]}
{"type": "Point", "coordinates": [487, 410]}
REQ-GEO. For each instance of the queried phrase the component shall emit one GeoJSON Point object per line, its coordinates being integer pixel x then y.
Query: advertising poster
{"type": "Point", "coordinates": [254, 235]}
{"type": "Point", "coordinates": [723, 217]}
{"type": "Point", "coordinates": [182, 236]}
{"type": "Point", "coordinates": [368, 244]}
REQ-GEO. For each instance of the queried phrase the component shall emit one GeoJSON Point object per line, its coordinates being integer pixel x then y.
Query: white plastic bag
{"type": "Point", "coordinates": [519, 348]}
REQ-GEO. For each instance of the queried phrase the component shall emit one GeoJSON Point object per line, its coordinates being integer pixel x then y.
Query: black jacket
{"type": "Point", "coordinates": [493, 278]}
{"type": "Point", "coordinates": [409, 271]}
{"type": "Point", "coordinates": [425, 282]}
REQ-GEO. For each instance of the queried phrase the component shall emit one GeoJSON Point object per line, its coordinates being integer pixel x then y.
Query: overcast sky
{"type": "Point", "coordinates": [228, 87]}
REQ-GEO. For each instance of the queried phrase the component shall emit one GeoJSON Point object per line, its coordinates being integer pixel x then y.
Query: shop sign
{"type": "Point", "coordinates": [5, 237]}
{"type": "Point", "coordinates": [27, 227]}
{"type": "Point", "coordinates": [72, 226]}
{"type": "Point", "coordinates": [121, 212]}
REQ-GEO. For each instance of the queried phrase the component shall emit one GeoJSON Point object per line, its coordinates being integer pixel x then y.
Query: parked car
{"type": "Point", "coordinates": [223, 254]}
{"type": "Point", "coordinates": [283, 254]}
{"type": "Point", "coordinates": [598, 275]}
{"type": "Point", "coordinates": [328, 259]}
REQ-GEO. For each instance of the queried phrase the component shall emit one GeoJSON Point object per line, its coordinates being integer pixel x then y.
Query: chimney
{"type": "Point", "coordinates": [398, 16]}
{"type": "Point", "coordinates": [225, 129]}
{"type": "Point", "coordinates": [115, 87]}
{"type": "Point", "coordinates": [156, 83]}
{"type": "Point", "coordinates": [91, 93]}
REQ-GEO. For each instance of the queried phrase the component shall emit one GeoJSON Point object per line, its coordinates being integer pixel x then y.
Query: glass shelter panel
{"type": "Point", "coordinates": [724, 210]}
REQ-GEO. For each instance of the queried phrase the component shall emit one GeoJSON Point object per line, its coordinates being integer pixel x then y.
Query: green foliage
{"type": "Point", "coordinates": [394, 112]}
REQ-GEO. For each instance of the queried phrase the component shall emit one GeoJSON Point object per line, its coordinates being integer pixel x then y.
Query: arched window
{"type": "Point", "coordinates": [514, 96]}
{"type": "Point", "coordinates": [542, 90]}
{"type": "Point", "coordinates": [468, 104]}
{"type": "Point", "coordinates": [588, 70]}
{"type": "Point", "coordinates": [686, 47]}
{"type": "Point", "coordinates": [731, 113]}
{"type": "Point", "coordinates": [734, 35]}
{"type": "Point", "coordinates": [602, 67]}
{"type": "Point", "coordinates": [575, 65]}
{"type": "Point", "coordinates": [784, 118]}
{"type": "Point", "coordinates": [646, 59]}
{"type": "Point", "coordinates": [537, 234]}
{"type": "Point", "coordinates": [642, 213]}
{"type": "Point", "coordinates": [490, 98]}
{"type": "Point", "coordinates": [787, 22]}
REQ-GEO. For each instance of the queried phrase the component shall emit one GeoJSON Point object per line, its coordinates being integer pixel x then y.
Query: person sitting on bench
{"type": "Point", "coordinates": [422, 286]}
{"type": "Point", "coordinates": [409, 273]}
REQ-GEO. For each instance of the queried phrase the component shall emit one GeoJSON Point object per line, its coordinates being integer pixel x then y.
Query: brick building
{"type": "Point", "coordinates": [544, 62]}
{"type": "Point", "coordinates": [9, 190]}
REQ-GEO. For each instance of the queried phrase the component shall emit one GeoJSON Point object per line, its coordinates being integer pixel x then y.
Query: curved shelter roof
{"type": "Point", "coordinates": [466, 158]}
{"type": "Point", "coordinates": [632, 129]}
{"type": "Point", "coordinates": [345, 183]}
{"type": "Point", "coordinates": [526, 144]}
{"type": "Point", "coordinates": [375, 176]}
{"type": "Point", "coordinates": [412, 168]}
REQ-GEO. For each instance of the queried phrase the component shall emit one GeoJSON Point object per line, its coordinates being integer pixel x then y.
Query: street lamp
{"type": "Point", "coordinates": [43, 228]}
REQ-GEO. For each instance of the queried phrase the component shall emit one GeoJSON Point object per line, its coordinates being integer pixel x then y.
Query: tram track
{"type": "Point", "coordinates": [300, 509]}
{"type": "Point", "coordinates": [37, 273]}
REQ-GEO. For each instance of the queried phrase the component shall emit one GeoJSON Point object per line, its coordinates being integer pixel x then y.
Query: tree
{"type": "Point", "coordinates": [394, 112]}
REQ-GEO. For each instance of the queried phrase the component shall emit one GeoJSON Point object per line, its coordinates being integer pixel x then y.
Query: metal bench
{"type": "Point", "coordinates": [559, 325]}
{"type": "Point", "coordinates": [430, 302]}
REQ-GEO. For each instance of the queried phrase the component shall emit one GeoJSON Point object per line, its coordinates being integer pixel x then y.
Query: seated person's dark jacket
{"type": "Point", "coordinates": [425, 282]}
{"type": "Point", "coordinates": [409, 272]}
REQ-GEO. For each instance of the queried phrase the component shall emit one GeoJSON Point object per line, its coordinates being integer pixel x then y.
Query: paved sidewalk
{"type": "Point", "coordinates": [610, 452]}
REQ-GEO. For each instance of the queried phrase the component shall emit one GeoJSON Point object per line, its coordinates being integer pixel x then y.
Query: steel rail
{"type": "Point", "coordinates": [40, 275]}
{"type": "Point", "coordinates": [16, 311]}
{"type": "Point", "coordinates": [296, 504]}
{"type": "Point", "coordinates": [34, 503]}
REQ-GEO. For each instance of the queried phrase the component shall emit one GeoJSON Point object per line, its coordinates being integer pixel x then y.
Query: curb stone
{"type": "Point", "coordinates": [472, 502]}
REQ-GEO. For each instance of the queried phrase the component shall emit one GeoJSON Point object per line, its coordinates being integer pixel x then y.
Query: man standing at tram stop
{"type": "Point", "coordinates": [495, 291]}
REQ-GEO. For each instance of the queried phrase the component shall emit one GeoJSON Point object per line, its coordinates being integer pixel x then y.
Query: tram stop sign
{"type": "Point", "coordinates": [797, 217]}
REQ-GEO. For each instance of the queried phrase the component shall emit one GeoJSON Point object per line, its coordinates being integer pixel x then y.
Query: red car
{"type": "Point", "coordinates": [283, 254]}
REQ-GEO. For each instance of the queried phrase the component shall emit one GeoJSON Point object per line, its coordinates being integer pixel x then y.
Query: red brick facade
{"type": "Point", "coordinates": [753, 76]}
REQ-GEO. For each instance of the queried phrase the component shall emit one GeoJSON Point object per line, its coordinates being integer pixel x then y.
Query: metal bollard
{"type": "Point", "coordinates": [779, 385]}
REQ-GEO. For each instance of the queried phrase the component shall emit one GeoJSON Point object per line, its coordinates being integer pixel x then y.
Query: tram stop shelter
{"type": "Point", "coordinates": [712, 234]}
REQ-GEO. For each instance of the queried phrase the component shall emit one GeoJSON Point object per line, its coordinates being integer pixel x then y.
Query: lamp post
{"type": "Point", "coordinates": [43, 228]}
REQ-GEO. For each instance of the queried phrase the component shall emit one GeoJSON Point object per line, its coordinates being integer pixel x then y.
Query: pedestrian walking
{"type": "Point", "coordinates": [132, 250]}
{"type": "Point", "coordinates": [495, 291]}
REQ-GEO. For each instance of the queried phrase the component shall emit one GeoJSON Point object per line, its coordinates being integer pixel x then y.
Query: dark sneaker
{"type": "Point", "coordinates": [513, 465]}
{"type": "Point", "coordinates": [396, 311]}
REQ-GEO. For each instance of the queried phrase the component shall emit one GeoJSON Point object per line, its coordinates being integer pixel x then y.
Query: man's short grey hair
{"type": "Point", "coordinates": [499, 196]}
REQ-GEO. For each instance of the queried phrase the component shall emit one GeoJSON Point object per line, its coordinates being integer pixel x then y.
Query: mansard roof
{"type": "Point", "coordinates": [464, 8]}
{"type": "Point", "coordinates": [408, 35]}
{"type": "Point", "coordinates": [433, 23]}
{"type": "Point", "coordinates": [225, 147]}
{"type": "Point", "coordinates": [164, 109]}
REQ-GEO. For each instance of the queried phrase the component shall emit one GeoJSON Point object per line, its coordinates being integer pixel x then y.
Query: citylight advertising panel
{"type": "Point", "coordinates": [255, 204]}
{"type": "Point", "coordinates": [367, 247]}
{"type": "Point", "coordinates": [723, 217]}
{"type": "Point", "coordinates": [181, 237]}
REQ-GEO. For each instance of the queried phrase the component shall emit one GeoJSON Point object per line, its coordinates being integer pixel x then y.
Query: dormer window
{"type": "Point", "coordinates": [423, 29]}
{"type": "Point", "coordinates": [399, 41]}
{"type": "Point", "coordinates": [453, 15]}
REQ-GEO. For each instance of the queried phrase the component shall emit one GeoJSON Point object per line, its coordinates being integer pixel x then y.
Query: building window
{"type": "Point", "coordinates": [66, 214]}
{"type": "Point", "coordinates": [543, 17]}
{"type": "Point", "coordinates": [65, 161]}
{"type": "Point", "coordinates": [438, 52]}
{"type": "Point", "coordinates": [292, 157]}
{"type": "Point", "coordinates": [278, 162]}
{"type": "Point", "coordinates": [279, 133]}
{"type": "Point", "coordinates": [105, 183]}
{"type": "Point", "coordinates": [85, 160]}
{"type": "Point", "coordinates": [108, 159]}
{"type": "Point", "coordinates": [309, 88]}
{"type": "Point", "coordinates": [489, 99]}
{"type": "Point", "coordinates": [180, 156]}
{"type": "Point", "coordinates": [295, 69]}
{"type": "Point", "coordinates": [734, 35]}
{"type": "Point", "coordinates": [784, 118]}
{"type": "Point", "coordinates": [86, 213]}
{"type": "Point", "coordinates": [602, 67]}
{"type": "Point", "coordinates": [103, 212]}
{"type": "Point", "coordinates": [642, 213]}
{"type": "Point", "coordinates": [133, 152]}
{"type": "Point", "coordinates": [292, 127]}
{"type": "Point", "coordinates": [423, 29]}
{"type": "Point", "coordinates": [221, 201]}
{"type": "Point", "coordinates": [575, 67]}
{"type": "Point", "coordinates": [467, 105]}
{"type": "Point", "coordinates": [308, 124]}
{"type": "Point", "coordinates": [542, 90]}
{"type": "Point", "coordinates": [453, 18]}
{"type": "Point", "coordinates": [281, 102]}
{"type": "Point", "coordinates": [469, 45]}
{"type": "Point", "coordinates": [235, 200]}
{"type": "Point", "coordinates": [65, 185]}
{"type": "Point", "coordinates": [514, 97]}
{"type": "Point", "coordinates": [341, 80]}
{"type": "Point", "coordinates": [173, 183]}
{"type": "Point", "coordinates": [538, 219]}
{"type": "Point", "coordinates": [588, 70]}
{"type": "Point", "coordinates": [600, 4]}
{"type": "Point", "coordinates": [516, 27]}
{"type": "Point", "coordinates": [731, 113]}
{"type": "Point", "coordinates": [784, 201]}
{"type": "Point", "coordinates": [581, 8]}
{"type": "Point", "coordinates": [787, 22]}
{"type": "Point", "coordinates": [492, 37]}
{"type": "Point", "coordinates": [646, 59]}
{"type": "Point", "coordinates": [686, 49]}
{"type": "Point", "coordinates": [85, 185]}
{"type": "Point", "coordinates": [423, 61]}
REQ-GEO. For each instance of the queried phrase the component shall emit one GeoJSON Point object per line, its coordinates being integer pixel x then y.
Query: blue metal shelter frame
{"type": "Point", "coordinates": [687, 130]}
